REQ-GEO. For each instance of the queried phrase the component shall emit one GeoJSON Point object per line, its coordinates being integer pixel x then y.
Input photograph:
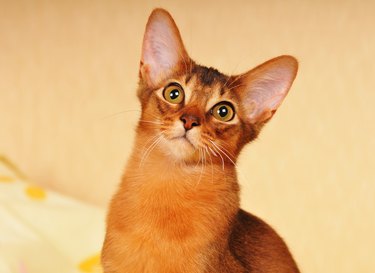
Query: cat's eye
{"type": "Point", "coordinates": [174, 93]}
{"type": "Point", "coordinates": [223, 111]}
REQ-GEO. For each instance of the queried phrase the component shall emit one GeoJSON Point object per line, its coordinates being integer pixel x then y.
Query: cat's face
{"type": "Point", "coordinates": [196, 114]}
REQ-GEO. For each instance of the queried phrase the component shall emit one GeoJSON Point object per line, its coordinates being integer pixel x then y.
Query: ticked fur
{"type": "Point", "coordinates": [177, 208]}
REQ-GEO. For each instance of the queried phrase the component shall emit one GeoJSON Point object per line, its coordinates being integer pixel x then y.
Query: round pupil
{"type": "Point", "coordinates": [174, 94]}
{"type": "Point", "coordinates": [223, 111]}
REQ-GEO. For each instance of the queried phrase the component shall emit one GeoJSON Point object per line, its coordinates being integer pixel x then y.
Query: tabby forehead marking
{"type": "Point", "coordinates": [208, 75]}
{"type": "Point", "coordinates": [214, 98]}
{"type": "Point", "coordinates": [188, 88]}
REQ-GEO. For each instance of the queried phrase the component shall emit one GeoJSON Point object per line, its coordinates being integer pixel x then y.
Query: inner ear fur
{"type": "Point", "coordinates": [263, 88]}
{"type": "Point", "coordinates": [163, 51]}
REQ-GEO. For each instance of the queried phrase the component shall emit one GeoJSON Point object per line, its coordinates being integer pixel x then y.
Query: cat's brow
{"type": "Point", "coordinates": [188, 78]}
{"type": "Point", "coordinates": [208, 75]}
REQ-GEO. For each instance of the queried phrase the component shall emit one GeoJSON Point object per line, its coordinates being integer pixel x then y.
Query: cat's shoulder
{"type": "Point", "coordinates": [247, 221]}
{"type": "Point", "coordinates": [257, 245]}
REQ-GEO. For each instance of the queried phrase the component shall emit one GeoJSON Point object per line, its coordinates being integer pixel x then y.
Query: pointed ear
{"type": "Point", "coordinates": [263, 88]}
{"type": "Point", "coordinates": [162, 50]}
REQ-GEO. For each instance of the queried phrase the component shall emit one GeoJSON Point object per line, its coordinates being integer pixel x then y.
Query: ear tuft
{"type": "Point", "coordinates": [265, 87]}
{"type": "Point", "coordinates": [162, 49]}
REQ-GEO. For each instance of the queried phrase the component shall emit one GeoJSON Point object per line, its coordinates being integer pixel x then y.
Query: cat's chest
{"type": "Point", "coordinates": [156, 257]}
{"type": "Point", "coordinates": [159, 233]}
{"type": "Point", "coordinates": [157, 223]}
{"type": "Point", "coordinates": [169, 214]}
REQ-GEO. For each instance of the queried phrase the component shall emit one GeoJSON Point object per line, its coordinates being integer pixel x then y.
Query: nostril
{"type": "Point", "coordinates": [189, 121]}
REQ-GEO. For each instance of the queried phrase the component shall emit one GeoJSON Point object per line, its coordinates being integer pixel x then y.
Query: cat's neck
{"type": "Point", "coordinates": [186, 208]}
{"type": "Point", "coordinates": [153, 164]}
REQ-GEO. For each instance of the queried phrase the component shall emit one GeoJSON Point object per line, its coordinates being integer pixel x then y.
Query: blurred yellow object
{"type": "Point", "coordinates": [42, 230]}
{"type": "Point", "coordinates": [91, 264]}
{"type": "Point", "coordinates": [35, 192]}
{"type": "Point", "coordinates": [6, 179]}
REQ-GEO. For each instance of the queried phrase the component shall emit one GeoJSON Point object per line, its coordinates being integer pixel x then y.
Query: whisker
{"type": "Point", "coordinates": [129, 111]}
{"type": "Point", "coordinates": [203, 166]}
{"type": "Point", "coordinates": [218, 152]}
{"type": "Point", "coordinates": [226, 82]}
{"type": "Point", "coordinates": [151, 139]}
{"type": "Point", "coordinates": [212, 167]}
{"type": "Point", "coordinates": [199, 160]}
{"type": "Point", "coordinates": [237, 168]}
{"type": "Point", "coordinates": [120, 113]}
{"type": "Point", "coordinates": [149, 150]}
{"type": "Point", "coordinates": [212, 151]}
{"type": "Point", "coordinates": [153, 122]}
{"type": "Point", "coordinates": [232, 87]}
{"type": "Point", "coordinates": [236, 79]}
{"type": "Point", "coordinates": [222, 159]}
{"type": "Point", "coordinates": [223, 153]}
{"type": "Point", "coordinates": [154, 143]}
{"type": "Point", "coordinates": [226, 150]}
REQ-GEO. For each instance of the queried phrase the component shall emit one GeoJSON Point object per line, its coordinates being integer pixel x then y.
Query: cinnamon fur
{"type": "Point", "coordinates": [177, 207]}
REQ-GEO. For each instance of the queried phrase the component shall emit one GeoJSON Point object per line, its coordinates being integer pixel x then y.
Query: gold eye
{"type": "Point", "coordinates": [173, 93]}
{"type": "Point", "coordinates": [223, 111]}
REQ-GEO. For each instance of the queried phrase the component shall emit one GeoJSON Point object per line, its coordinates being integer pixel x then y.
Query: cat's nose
{"type": "Point", "coordinates": [190, 121]}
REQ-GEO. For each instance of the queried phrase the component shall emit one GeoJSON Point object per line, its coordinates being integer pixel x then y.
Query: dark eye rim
{"type": "Point", "coordinates": [227, 103]}
{"type": "Point", "coordinates": [174, 84]}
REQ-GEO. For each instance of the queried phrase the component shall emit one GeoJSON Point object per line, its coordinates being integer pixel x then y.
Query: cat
{"type": "Point", "coordinates": [177, 207]}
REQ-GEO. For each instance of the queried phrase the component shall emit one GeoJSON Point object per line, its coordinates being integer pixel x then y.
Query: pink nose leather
{"type": "Point", "coordinates": [190, 121]}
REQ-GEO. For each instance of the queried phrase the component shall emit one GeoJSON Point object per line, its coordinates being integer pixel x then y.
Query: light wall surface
{"type": "Point", "coordinates": [68, 74]}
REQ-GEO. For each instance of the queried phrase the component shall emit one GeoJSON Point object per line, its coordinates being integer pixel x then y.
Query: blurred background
{"type": "Point", "coordinates": [68, 107]}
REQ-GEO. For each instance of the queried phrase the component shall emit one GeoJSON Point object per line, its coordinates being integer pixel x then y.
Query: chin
{"type": "Point", "coordinates": [180, 149]}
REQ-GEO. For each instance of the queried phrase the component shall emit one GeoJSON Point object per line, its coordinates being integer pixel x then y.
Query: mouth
{"type": "Point", "coordinates": [181, 148]}
{"type": "Point", "coordinates": [184, 139]}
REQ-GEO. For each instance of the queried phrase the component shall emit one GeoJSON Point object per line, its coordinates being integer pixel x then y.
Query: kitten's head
{"type": "Point", "coordinates": [194, 113]}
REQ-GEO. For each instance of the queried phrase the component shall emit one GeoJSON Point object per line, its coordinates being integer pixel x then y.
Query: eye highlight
{"type": "Point", "coordinates": [174, 93]}
{"type": "Point", "coordinates": [223, 111]}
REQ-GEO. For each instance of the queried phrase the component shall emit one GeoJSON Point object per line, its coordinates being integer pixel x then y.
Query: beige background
{"type": "Point", "coordinates": [67, 66]}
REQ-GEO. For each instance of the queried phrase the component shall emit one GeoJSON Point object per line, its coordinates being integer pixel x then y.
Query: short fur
{"type": "Point", "coordinates": [177, 208]}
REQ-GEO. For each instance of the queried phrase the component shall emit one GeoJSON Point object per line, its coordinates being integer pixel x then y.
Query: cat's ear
{"type": "Point", "coordinates": [263, 88]}
{"type": "Point", "coordinates": [163, 51]}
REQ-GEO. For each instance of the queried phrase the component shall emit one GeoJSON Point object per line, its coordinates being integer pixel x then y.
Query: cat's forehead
{"type": "Point", "coordinates": [204, 81]}
{"type": "Point", "coordinates": [206, 86]}
{"type": "Point", "coordinates": [206, 76]}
